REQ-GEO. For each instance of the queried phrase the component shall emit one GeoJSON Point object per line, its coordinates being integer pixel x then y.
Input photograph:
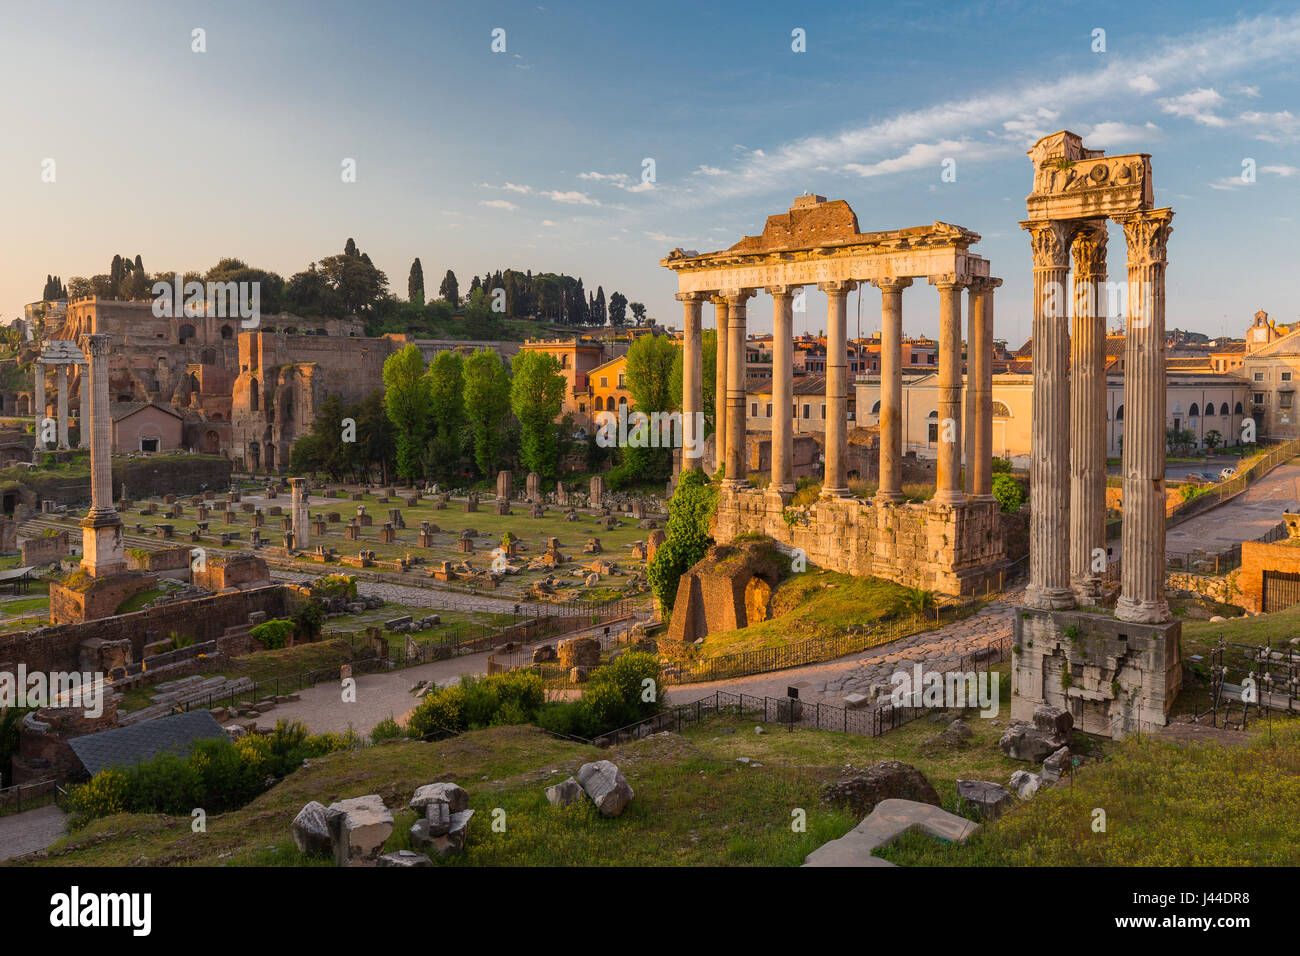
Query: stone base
{"type": "Point", "coordinates": [951, 549]}
{"type": "Point", "coordinates": [1114, 677]}
{"type": "Point", "coordinates": [101, 545]}
{"type": "Point", "coordinates": [91, 599]}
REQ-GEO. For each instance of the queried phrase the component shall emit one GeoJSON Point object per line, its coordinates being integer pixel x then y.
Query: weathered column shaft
{"type": "Point", "coordinates": [1049, 475]}
{"type": "Point", "coordinates": [692, 382]}
{"type": "Point", "coordinates": [782, 390]}
{"type": "Point", "coordinates": [835, 482]}
{"type": "Point", "coordinates": [39, 401]}
{"type": "Point", "coordinates": [980, 371]}
{"type": "Point", "coordinates": [891, 388]}
{"type": "Point", "coordinates": [83, 425]}
{"type": "Point", "coordinates": [720, 385]}
{"type": "Point", "coordinates": [102, 552]}
{"type": "Point", "coordinates": [298, 499]}
{"type": "Point", "coordinates": [1142, 575]}
{"type": "Point", "coordinates": [1088, 413]}
{"type": "Point", "coordinates": [63, 406]}
{"type": "Point", "coordinates": [737, 466]}
{"type": "Point", "coordinates": [948, 478]}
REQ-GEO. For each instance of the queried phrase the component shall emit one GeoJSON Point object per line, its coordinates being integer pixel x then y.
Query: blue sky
{"type": "Point", "coordinates": [532, 158]}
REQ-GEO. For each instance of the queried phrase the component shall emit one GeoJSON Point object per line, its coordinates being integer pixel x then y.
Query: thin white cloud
{"type": "Point", "coordinates": [571, 196]}
{"type": "Point", "coordinates": [1144, 84]}
{"type": "Point", "coordinates": [705, 170]}
{"type": "Point", "coordinates": [498, 204]}
{"type": "Point", "coordinates": [1280, 127]}
{"type": "Point", "coordinates": [1283, 171]}
{"type": "Point", "coordinates": [1197, 105]}
{"type": "Point", "coordinates": [517, 188]}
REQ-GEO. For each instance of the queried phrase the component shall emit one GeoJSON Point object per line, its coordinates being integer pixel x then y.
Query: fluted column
{"type": "Point", "coordinates": [1049, 475]}
{"type": "Point", "coordinates": [298, 500]}
{"type": "Point", "coordinates": [63, 406]}
{"type": "Point", "coordinates": [720, 385]}
{"type": "Point", "coordinates": [39, 402]}
{"type": "Point", "coordinates": [692, 380]}
{"type": "Point", "coordinates": [83, 424]}
{"type": "Point", "coordinates": [891, 388]}
{"type": "Point", "coordinates": [835, 483]}
{"type": "Point", "coordinates": [979, 374]}
{"type": "Point", "coordinates": [782, 390]}
{"type": "Point", "coordinates": [1088, 410]}
{"type": "Point", "coordinates": [102, 552]}
{"type": "Point", "coordinates": [737, 467]}
{"type": "Point", "coordinates": [948, 479]}
{"type": "Point", "coordinates": [1142, 573]}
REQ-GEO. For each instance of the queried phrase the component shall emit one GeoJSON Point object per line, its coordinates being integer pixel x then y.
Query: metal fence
{"type": "Point", "coordinates": [1217, 562]}
{"type": "Point", "coordinates": [29, 796]}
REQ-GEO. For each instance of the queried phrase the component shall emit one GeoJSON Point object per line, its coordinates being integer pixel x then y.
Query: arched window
{"type": "Point", "coordinates": [1194, 411]}
{"type": "Point", "coordinates": [1000, 410]}
{"type": "Point", "coordinates": [1238, 410]}
{"type": "Point", "coordinates": [933, 414]}
{"type": "Point", "coordinates": [186, 333]}
{"type": "Point", "coordinates": [227, 333]}
{"type": "Point", "coordinates": [1119, 414]}
{"type": "Point", "coordinates": [252, 395]}
{"type": "Point", "coordinates": [875, 409]}
{"type": "Point", "coordinates": [1224, 410]}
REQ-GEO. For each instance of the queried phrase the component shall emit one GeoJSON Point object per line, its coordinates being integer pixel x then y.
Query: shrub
{"type": "Point", "coordinates": [1008, 492]}
{"type": "Point", "coordinates": [1001, 465]}
{"type": "Point", "coordinates": [441, 709]}
{"type": "Point", "coordinates": [309, 619]}
{"type": "Point", "coordinates": [273, 634]}
{"type": "Point", "coordinates": [335, 585]}
{"type": "Point", "coordinates": [386, 729]}
{"type": "Point", "coordinates": [690, 513]}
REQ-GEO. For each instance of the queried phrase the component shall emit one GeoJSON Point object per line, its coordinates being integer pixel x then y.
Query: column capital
{"type": "Point", "coordinates": [892, 283]}
{"type": "Point", "coordinates": [1049, 240]}
{"type": "Point", "coordinates": [948, 282]}
{"type": "Point", "coordinates": [780, 291]}
{"type": "Point", "coordinates": [94, 344]}
{"type": "Point", "coordinates": [1089, 249]}
{"type": "Point", "coordinates": [736, 298]}
{"type": "Point", "coordinates": [982, 285]}
{"type": "Point", "coordinates": [838, 286]}
{"type": "Point", "coordinates": [1146, 232]}
{"type": "Point", "coordinates": [700, 297]}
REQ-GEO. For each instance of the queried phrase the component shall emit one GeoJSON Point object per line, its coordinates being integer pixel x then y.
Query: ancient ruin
{"type": "Point", "coordinates": [1113, 674]}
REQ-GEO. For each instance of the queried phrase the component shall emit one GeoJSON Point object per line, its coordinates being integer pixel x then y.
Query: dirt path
{"type": "Point", "coordinates": [30, 831]}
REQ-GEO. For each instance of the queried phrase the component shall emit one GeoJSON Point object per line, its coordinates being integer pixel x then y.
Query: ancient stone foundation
{"type": "Point", "coordinates": [1114, 677]}
{"type": "Point", "coordinates": [951, 549]}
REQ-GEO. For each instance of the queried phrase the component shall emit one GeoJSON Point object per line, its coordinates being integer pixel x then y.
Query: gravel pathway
{"type": "Point", "coordinates": [30, 831]}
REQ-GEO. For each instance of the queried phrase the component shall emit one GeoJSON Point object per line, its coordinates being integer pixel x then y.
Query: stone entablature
{"type": "Point", "coordinates": [1114, 677]}
{"type": "Point", "coordinates": [955, 550]}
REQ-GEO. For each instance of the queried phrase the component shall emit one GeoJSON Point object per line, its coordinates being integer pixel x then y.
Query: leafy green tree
{"type": "Point", "coordinates": [687, 539]}
{"type": "Point", "coordinates": [415, 282]}
{"type": "Point", "coordinates": [709, 363]}
{"type": "Point", "coordinates": [618, 310]}
{"type": "Point", "coordinates": [487, 405]}
{"type": "Point", "coordinates": [536, 396]}
{"type": "Point", "coordinates": [650, 362]}
{"type": "Point", "coordinates": [638, 312]}
{"type": "Point", "coordinates": [450, 289]}
{"type": "Point", "coordinates": [406, 398]}
{"type": "Point", "coordinates": [446, 414]}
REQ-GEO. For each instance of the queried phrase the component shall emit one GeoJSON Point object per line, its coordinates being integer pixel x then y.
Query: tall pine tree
{"type": "Point", "coordinates": [415, 282]}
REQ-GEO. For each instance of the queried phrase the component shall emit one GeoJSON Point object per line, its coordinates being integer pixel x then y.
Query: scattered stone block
{"type": "Point", "coordinates": [565, 794]}
{"type": "Point", "coordinates": [358, 829]}
{"type": "Point", "coordinates": [606, 786]}
{"type": "Point", "coordinates": [310, 832]}
{"type": "Point", "coordinates": [989, 799]}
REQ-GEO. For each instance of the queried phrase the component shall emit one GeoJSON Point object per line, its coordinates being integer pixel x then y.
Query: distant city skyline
{"type": "Point", "coordinates": [536, 157]}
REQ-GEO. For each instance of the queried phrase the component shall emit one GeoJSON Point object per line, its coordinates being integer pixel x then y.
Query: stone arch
{"type": "Point", "coordinates": [875, 409]}
{"type": "Point", "coordinates": [254, 456]}
{"type": "Point", "coordinates": [1000, 410]}
{"type": "Point", "coordinates": [1119, 413]}
{"type": "Point", "coordinates": [253, 399]}
{"type": "Point", "coordinates": [185, 333]}
{"type": "Point", "coordinates": [227, 333]}
{"type": "Point", "coordinates": [211, 442]}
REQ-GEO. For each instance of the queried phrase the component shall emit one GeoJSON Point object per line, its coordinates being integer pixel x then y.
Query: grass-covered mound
{"type": "Point", "coordinates": [1165, 803]}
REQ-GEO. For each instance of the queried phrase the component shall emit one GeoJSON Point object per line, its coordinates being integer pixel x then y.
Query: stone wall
{"type": "Point", "coordinates": [1114, 677]}
{"type": "Point", "coordinates": [171, 563]}
{"type": "Point", "coordinates": [950, 550]}
{"type": "Point", "coordinates": [203, 619]}
{"type": "Point", "coordinates": [44, 549]}
{"type": "Point", "coordinates": [232, 571]}
{"type": "Point", "coordinates": [85, 599]}
{"type": "Point", "coordinates": [1258, 557]}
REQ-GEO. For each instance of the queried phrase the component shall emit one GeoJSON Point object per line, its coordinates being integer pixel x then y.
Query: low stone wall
{"type": "Point", "coordinates": [203, 619]}
{"type": "Point", "coordinates": [1222, 588]}
{"type": "Point", "coordinates": [1115, 678]}
{"type": "Point", "coordinates": [955, 550]}
{"type": "Point", "coordinates": [90, 599]}
{"type": "Point", "coordinates": [1258, 557]}
{"type": "Point", "coordinates": [44, 549]}
{"type": "Point", "coordinates": [171, 563]}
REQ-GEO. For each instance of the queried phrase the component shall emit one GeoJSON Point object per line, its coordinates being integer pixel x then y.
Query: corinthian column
{"type": "Point", "coordinates": [692, 380]}
{"type": "Point", "coordinates": [979, 384]}
{"type": "Point", "coordinates": [891, 388]}
{"type": "Point", "coordinates": [948, 480]}
{"type": "Point", "coordinates": [1142, 575]}
{"type": "Point", "coordinates": [737, 467]}
{"type": "Point", "coordinates": [83, 425]}
{"type": "Point", "coordinates": [1088, 411]}
{"type": "Point", "coordinates": [62, 377]}
{"type": "Point", "coordinates": [835, 483]}
{"type": "Point", "coordinates": [39, 402]}
{"type": "Point", "coordinates": [101, 535]}
{"type": "Point", "coordinates": [1049, 475]}
{"type": "Point", "coordinates": [782, 390]}
{"type": "Point", "coordinates": [720, 384]}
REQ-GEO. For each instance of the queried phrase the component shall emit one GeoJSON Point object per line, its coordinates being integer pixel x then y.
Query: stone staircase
{"type": "Point", "coordinates": [173, 695]}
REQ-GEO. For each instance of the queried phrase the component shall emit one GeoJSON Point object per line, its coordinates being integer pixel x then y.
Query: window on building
{"type": "Point", "coordinates": [823, 411]}
{"type": "Point", "coordinates": [930, 358]}
{"type": "Point", "coordinates": [1000, 410]}
{"type": "Point", "coordinates": [620, 380]}
{"type": "Point", "coordinates": [753, 409]}
{"type": "Point", "coordinates": [1286, 376]}
{"type": "Point", "coordinates": [875, 409]}
{"type": "Point", "coordinates": [1119, 414]}
{"type": "Point", "coordinates": [769, 409]}
{"type": "Point", "coordinates": [1259, 398]}
{"type": "Point", "coordinates": [807, 410]}
{"type": "Point", "coordinates": [1239, 410]}
{"type": "Point", "coordinates": [1259, 376]}
{"type": "Point", "coordinates": [1284, 399]}
{"type": "Point", "coordinates": [1194, 411]}
{"type": "Point", "coordinates": [604, 381]}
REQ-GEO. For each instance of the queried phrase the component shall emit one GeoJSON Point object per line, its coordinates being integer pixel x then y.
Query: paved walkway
{"type": "Point", "coordinates": [1245, 518]}
{"type": "Point", "coordinates": [829, 682]}
{"type": "Point", "coordinates": [30, 831]}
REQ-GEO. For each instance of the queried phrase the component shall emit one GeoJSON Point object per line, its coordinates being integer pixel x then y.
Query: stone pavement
{"type": "Point", "coordinates": [829, 682]}
{"type": "Point", "coordinates": [30, 831]}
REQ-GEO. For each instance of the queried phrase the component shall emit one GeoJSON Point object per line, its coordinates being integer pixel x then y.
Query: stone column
{"type": "Point", "coordinates": [835, 483]}
{"type": "Point", "coordinates": [980, 372]}
{"type": "Point", "coordinates": [782, 390]}
{"type": "Point", "coordinates": [692, 380]}
{"type": "Point", "coordinates": [83, 425]}
{"type": "Point", "coordinates": [102, 528]}
{"type": "Point", "coordinates": [63, 406]}
{"type": "Point", "coordinates": [39, 402]}
{"type": "Point", "coordinates": [737, 466]}
{"type": "Point", "coordinates": [298, 498]}
{"type": "Point", "coordinates": [720, 385]}
{"type": "Point", "coordinates": [1142, 573]}
{"type": "Point", "coordinates": [891, 388]}
{"type": "Point", "coordinates": [1088, 411]}
{"type": "Point", "coordinates": [1049, 476]}
{"type": "Point", "coordinates": [948, 479]}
